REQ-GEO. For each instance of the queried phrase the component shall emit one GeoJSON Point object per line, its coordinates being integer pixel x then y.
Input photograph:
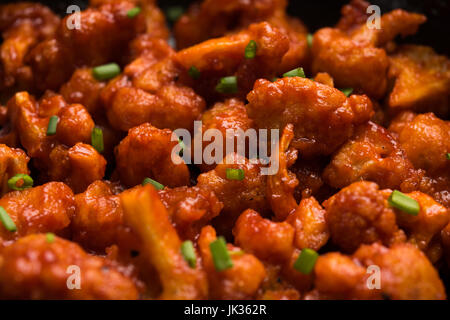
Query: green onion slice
{"type": "Point", "coordinates": [7, 221]}
{"type": "Point", "coordinates": [188, 252]}
{"type": "Point", "coordinates": [97, 139]}
{"type": "Point", "coordinates": [27, 182]}
{"type": "Point", "coordinates": [52, 124]}
{"type": "Point", "coordinates": [106, 71]}
{"type": "Point", "coordinates": [250, 50]}
{"type": "Point", "coordinates": [194, 73]}
{"type": "Point", "coordinates": [235, 174]}
{"type": "Point", "coordinates": [347, 91]}
{"type": "Point", "coordinates": [156, 184]}
{"type": "Point", "coordinates": [50, 237]}
{"type": "Point", "coordinates": [227, 85]}
{"type": "Point", "coordinates": [133, 12]}
{"type": "Point", "coordinates": [448, 156]}
{"type": "Point", "coordinates": [221, 257]}
{"type": "Point", "coordinates": [306, 261]}
{"type": "Point", "coordinates": [404, 203]}
{"type": "Point", "coordinates": [174, 13]}
{"type": "Point", "coordinates": [309, 39]}
{"type": "Point", "coordinates": [299, 72]}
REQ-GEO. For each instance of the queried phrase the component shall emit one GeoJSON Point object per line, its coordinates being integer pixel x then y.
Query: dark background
{"type": "Point", "coordinates": [320, 13]}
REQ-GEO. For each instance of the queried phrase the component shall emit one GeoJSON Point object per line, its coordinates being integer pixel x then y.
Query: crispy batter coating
{"type": "Point", "coordinates": [33, 268]}
{"type": "Point", "coordinates": [190, 209]}
{"type": "Point", "coordinates": [145, 214]}
{"type": "Point", "coordinates": [269, 241]}
{"type": "Point", "coordinates": [53, 61]}
{"type": "Point", "coordinates": [359, 214]}
{"type": "Point", "coordinates": [406, 274]}
{"type": "Point", "coordinates": [146, 152]}
{"type": "Point", "coordinates": [22, 25]}
{"type": "Point", "coordinates": [212, 19]}
{"type": "Point", "coordinates": [222, 57]}
{"type": "Point", "coordinates": [311, 225]}
{"type": "Point", "coordinates": [236, 195]}
{"type": "Point", "coordinates": [228, 115]}
{"type": "Point", "coordinates": [12, 162]}
{"type": "Point", "coordinates": [322, 116]}
{"type": "Point", "coordinates": [422, 80]}
{"type": "Point", "coordinates": [99, 208]}
{"type": "Point", "coordinates": [149, 91]}
{"type": "Point", "coordinates": [372, 154]}
{"type": "Point", "coordinates": [242, 281]}
{"type": "Point", "coordinates": [66, 155]}
{"type": "Point", "coordinates": [431, 219]}
{"type": "Point", "coordinates": [46, 208]}
{"type": "Point", "coordinates": [352, 58]}
{"type": "Point", "coordinates": [426, 141]}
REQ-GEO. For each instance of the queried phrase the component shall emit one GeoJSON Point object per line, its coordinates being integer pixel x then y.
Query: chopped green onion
{"type": "Point", "coordinates": [250, 50]}
{"type": "Point", "coordinates": [188, 252]}
{"type": "Point", "coordinates": [347, 91]}
{"type": "Point", "coordinates": [97, 139]}
{"type": "Point", "coordinates": [182, 146]}
{"type": "Point", "coordinates": [295, 73]}
{"type": "Point", "coordinates": [27, 182]}
{"type": "Point", "coordinates": [7, 221]}
{"type": "Point", "coordinates": [309, 39]}
{"type": "Point", "coordinates": [52, 124]}
{"type": "Point", "coordinates": [194, 73]}
{"type": "Point", "coordinates": [221, 257]}
{"type": "Point", "coordinates": [50, 237]}
{"type": "Point", "coordinates": [174, 13]}
{"type": "Point", "coordinates": [404, 203]}
{"type": "Point", "coordinates": [306, 261]}
{"type": "Point", "coordinates": [106, 71]}
{"type": "Point", "coordinates": [157, 185]}
{"type": "Point", "coordinates": [274, 79]}
{"type": "Point", "coordinates": [448, 156]}
{"type": "Point", "coordinates": [133, 12]}
{"type": "Point", "coordinates": [235, 174]}
{"type": "Point", "coordinates": [227, 85]}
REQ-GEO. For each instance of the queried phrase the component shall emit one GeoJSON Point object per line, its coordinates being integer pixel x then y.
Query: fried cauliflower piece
{"type": "Point", "coordinates": [66, 155]}
{"type": "Point", "coordinates": [236, 195]}
{"type": "Point", "coordinates": [228, 115]}
{"type": "Point", "coordinates": [212, 19]}
{"type": "Point", "coordinates": [22, 25]}
{"type": "Point", "coordinates": [99, 208]}
{"type": "Point", "coordinates": [372, 154]}
{"type": "Point", "coordinates": [426, 141]}
{"type": "Point", "coordinates": [428, 223]}
{"type": "Point", "coordinates": [359, 214]}
{"type": "Point", "coordinates": [222, 57]}
{"type": "Point", "coordinates": [147, 152]}
{"type": "Point", "coordinates": [54, 60]}
{"type": "Point", "coordinates": [145, 214]}
{"type": "Point", "coordinates": [269, 241]}
{"type": "Point", "coordinates": [84, 89]}
{"type": "Point", "coordinates": [241, 281]}
{"type": "Point", "coordinates": [47, 208]}
{"type": "Point", "coordinates": [310, 224]}
{"type": "Point", "coordinates": [421, 80]}
{"type": "Point", "coordinates": [34, 268]}
{"type": "Point", "coordinates": [351, 56]}
{"type": "Point", "coordinates": [153, 17]}
{"type": "Point", "coordinates": [12, 161]}
{"type": "Point", "coordinates": [149, 90]}
{"type": "Point", "coordinates": [321, 124]}
{"type": "Point", "coordinates": [190, 209]}
{"type": "Point", "coordinates": [406, 274]}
